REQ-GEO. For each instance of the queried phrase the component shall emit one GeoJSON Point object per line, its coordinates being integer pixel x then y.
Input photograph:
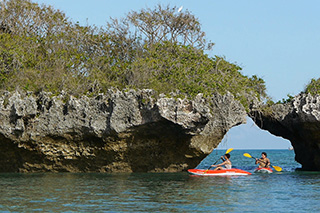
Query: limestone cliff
{"type": "Point", "coordinates": [297, 121]}
{"type": "Point", "coordinates": [121, 131]}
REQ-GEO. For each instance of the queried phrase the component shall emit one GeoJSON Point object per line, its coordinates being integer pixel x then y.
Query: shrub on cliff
{"type": "Point", "coordinates": [313, 87]}
{"type": "Point", "coordinates": [160, 48]}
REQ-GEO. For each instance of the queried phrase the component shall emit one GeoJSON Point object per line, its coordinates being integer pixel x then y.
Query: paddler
{"type": "Point", "coordinates": [263, 162]}
{"type": "Point", "coordinates": [226, 163]}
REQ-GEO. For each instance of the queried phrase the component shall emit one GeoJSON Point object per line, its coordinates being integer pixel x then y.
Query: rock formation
{"type": "Point", "coordinates": [121, 131]}
{"type": "Point", "coordinates": [297, 121]}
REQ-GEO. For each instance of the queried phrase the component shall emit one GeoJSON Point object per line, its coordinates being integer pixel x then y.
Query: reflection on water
{"type": "Point", "coordinates": [165, 192]}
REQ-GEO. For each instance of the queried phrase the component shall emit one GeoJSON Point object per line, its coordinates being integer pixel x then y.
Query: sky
{"type": "Point", "coordinates": [276, 40]}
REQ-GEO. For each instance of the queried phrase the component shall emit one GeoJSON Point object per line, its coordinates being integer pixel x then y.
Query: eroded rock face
{"type": "Point", "coordinates": [297, 121]}
{"type": "Point", "coordinates": [115, 132]}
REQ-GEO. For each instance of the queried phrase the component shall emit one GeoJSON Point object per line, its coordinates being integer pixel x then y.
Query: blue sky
{"type": "Point", "coordinates": [277, 40]}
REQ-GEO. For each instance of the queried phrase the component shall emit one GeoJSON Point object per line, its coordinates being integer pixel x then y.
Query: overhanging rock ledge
{"type": "Point", "coordinates": [298, 121]}
{"type": "Point", "coordinates": [120, 131]}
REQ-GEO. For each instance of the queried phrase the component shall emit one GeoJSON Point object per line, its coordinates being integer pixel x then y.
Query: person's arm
{"type": "Point", "coordinates": [221, 164]}
{"type": "Point", "coordinates": [268, 163]}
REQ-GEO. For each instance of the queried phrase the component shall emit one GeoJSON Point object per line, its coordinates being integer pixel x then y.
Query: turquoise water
{"type": "Point", "coordinates": [287, 191]}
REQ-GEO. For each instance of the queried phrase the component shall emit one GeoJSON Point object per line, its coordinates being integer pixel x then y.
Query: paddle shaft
{"type": "Point", "coordinates": [260, 161]}
{"type": "Point", "coordinates": [214, 163]}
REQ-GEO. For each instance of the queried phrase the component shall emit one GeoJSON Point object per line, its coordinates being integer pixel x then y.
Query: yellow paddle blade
{"type": "Point", "coordinates": [277, 168]}
{"type": "Point", "coordinates": [229, 150]}
{"type": "Point", "coordinates": [247, 155]}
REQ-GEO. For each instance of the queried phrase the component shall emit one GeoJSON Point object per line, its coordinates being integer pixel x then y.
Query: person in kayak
{"type": "Point", "coordinates": [226, 163]}
{"type": "Point", "coordinates": [263, 162]}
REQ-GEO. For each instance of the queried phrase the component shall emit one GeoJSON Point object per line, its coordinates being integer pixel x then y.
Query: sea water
{"type": "Point", "coordinates": [286, 191]}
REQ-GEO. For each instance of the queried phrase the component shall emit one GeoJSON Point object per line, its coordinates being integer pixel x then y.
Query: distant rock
{"type": "Point", "coordinates": [121, 131]}
{"type": "Point", "coordinates": [297, 121]}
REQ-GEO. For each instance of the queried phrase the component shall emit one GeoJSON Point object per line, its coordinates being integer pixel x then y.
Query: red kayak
{"type": "Point", "coordinates": [263, 170]}
{"type": "Point", "coordinates": [223, 172]}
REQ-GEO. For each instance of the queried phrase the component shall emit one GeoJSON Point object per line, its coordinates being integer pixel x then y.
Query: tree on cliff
{"type": "Point", "coordinates": [160, 48]}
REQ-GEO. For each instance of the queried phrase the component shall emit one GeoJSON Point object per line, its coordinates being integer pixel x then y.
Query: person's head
{"type": "Point", "coordinates": [227, 155]}
{"type": "Point", "coordinates": [263, 154]}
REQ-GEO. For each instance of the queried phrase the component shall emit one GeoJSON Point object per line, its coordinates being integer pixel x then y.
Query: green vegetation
{"type": "Point", "coordinates": [286, 100]}
{"type": "Point", "coordinates": [313, 87]}
{"type": "Point", "coordinates": [160, 48]}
